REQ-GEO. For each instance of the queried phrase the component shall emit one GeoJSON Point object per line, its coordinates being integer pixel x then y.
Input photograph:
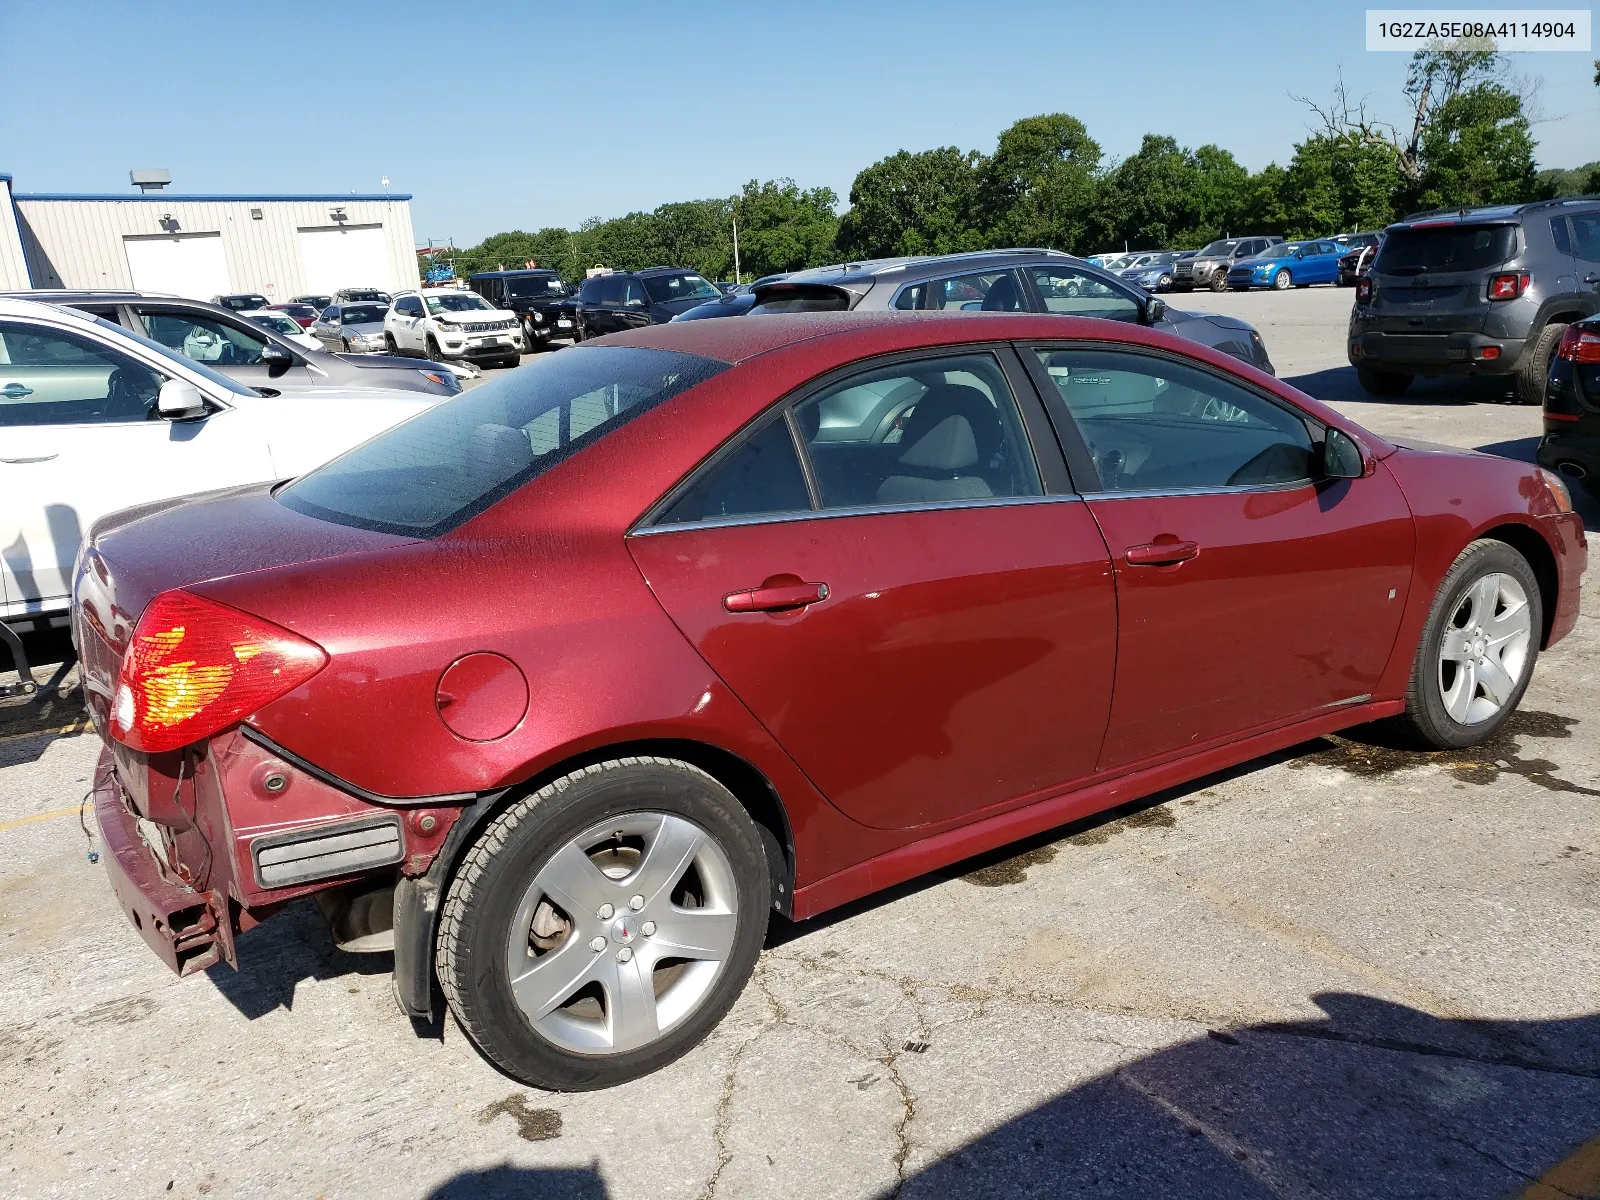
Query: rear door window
{"type": "Point", "coordinates": [763, 477]}
{"type": "Point", "coordinates": [1417, 250]}
{"type": "Point", "coordinates": [1586, 236]}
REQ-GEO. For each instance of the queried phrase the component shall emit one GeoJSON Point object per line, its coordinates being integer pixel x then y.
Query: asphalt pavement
{"type": "Point", "coordinates": [1340, 971]}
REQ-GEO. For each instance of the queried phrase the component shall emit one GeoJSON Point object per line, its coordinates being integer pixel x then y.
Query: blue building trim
{"type": "Point", "coordinates": [173, 198]}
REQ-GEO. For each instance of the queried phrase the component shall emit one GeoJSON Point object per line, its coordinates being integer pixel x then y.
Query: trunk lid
{"type": "Point", "coordinates": [129, 558]}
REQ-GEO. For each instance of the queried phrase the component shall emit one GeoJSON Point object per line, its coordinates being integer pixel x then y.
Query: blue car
{"type": "Point", "coordinates": [1286, 265]}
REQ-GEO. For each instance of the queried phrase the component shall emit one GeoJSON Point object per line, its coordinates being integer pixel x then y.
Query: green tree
{"type": "Point", "coordinates": [785, 228]}
{"type": "Point", "coordinates": [1039, 188]}
{"type": "Point", "coordinates": [1477, 149]}
{"type": "Point", "coordinates": [1153, 198]}
{"type": "Point", "coordinates": [924, 203]}
{"type": "Point", "coordinates": [1338, 183]}
{"type": "Point", "coordinates": [1263, 206]}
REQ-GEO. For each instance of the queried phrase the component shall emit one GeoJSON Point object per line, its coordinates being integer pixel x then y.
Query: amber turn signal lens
{"type": "Point", "coordinates": [1558, 489]}
{"type": "Point", "coordinates": [194, 667]}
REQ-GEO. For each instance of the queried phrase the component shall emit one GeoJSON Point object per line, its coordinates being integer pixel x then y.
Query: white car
{"type": "Point", "coordinates": [94, 418]}
{"type": "Point", "coordinates": [284, 326]}
{"type": "Point", "coordinates": [446, 323]}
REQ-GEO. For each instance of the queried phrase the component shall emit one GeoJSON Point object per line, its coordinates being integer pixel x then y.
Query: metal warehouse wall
{"type": "Point", "coordinates": [77, 241]}
{"type": "Point", "coordinates": [13, 267]}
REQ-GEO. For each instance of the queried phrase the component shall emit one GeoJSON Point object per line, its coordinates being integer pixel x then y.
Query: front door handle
{"type": "Point", "coordinates": [15, 391]}
{"type": "Point", "coordinates": [775, 596]}
{"type": "Point", "coordinates": [1159, 554]}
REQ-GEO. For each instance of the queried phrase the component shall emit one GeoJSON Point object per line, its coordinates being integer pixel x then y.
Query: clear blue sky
{"type": "Point", "coordinates": [520, 115]}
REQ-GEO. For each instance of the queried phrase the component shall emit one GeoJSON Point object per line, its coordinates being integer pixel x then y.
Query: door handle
{"type": "Point", "coordinates": [15, 391]}
{"type": "Point", "coordinates": [775, 597]}
{"type": "Point", "coordinates": [1158, 554]}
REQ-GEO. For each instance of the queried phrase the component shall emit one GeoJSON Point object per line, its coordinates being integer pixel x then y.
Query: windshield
{"type": "Point", "coordinates": [535, 285]}
{"type": "Point", "coordinates": [664, 289]}
{"type": "Point", "coordinates": [458, 302]}
{"type": "Point", "coordinates": [363, 314]}
{"type": "Point", "coordinates": [199, 368]}
{"type": "Point", "coordinates": [449, 463]}
{"type": "Point", "coordinates": [275, 323]}
{"type": "Point", "coordinates": [1445, 248]}
{"type": "Point", "coordinates": [1218, 249]}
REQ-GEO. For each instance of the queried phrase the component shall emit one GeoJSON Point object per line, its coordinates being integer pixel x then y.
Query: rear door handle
{"type": "Point", "coordinates": [776, 598]}
{"type": "Point", "coordinates": [1158, 554]}
{"type": "Point", "coordinates": [15, 391]}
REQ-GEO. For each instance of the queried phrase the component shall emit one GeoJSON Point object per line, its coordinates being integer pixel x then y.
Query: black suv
{"type": "Point", "coordinates": [1486, 291]}
{"type": "Point", "coordinates": [629, 299]}
{"type": "Point", "coordinates": [1571, 443]}
{"type": "Point", "coordinates": [539, 298]}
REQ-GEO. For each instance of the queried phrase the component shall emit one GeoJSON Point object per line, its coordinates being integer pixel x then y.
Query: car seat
{"type": "Point", "coordinates": [952, 435]}
{"type": "Point", "coordinates": [1003, 297]}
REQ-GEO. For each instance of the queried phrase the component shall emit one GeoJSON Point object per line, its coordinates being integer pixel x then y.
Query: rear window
{"type": "Point", "coordinates": [792, 299]}
{"type": "Point", "coordinates": [1445, 248]}
{"type": "Point", "coordinates": [446, 465]}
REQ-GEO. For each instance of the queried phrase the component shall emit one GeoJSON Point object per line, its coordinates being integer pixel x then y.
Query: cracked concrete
{"type": "Point", "coordinates": [1324, 975]}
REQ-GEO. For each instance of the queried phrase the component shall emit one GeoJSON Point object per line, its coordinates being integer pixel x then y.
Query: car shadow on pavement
{"type": "Point", "coordinates": [28, 726]}
{"type": "Point", "coordinates": [1526, 450]}
{"type": "Point", "coordinates": [275, 957]}
{"type": "Point", "coordinates": [1340, 384]}
{"type": "Point", "coordinates": [1376, 1099]}
{"type": "Point", "coordinates": [523, 1183]}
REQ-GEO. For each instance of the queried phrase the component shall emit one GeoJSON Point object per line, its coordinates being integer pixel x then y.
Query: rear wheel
{"type": "Point", "coordinates": [1477, 652]}
{"type": "Point", "coordinates": [1534, 369]}
{"type": "Point", "coordinates": [601, 927]}
{"type": "Point", "coordinates": [1282, 280]}
{"type": "Point", "coordinates": [1382, 383]}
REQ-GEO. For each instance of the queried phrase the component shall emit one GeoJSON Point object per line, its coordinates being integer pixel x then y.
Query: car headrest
{"type": "Point", "coordinates": [502, 450]}
{"type": "Point", "coordinates": [953, 427]}
{"type": "Point", "coordinates": [1002, 297]}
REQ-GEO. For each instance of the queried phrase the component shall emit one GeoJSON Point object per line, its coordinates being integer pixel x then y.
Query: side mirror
{"type": "Point", "coordinates": [278, 360]}
{"type": "Point", "coordinates": [1341, 457]}
{"type": "Point", "coordinates": [1154, 309]}
{"type": "Point", "coordinates": [180, 401]}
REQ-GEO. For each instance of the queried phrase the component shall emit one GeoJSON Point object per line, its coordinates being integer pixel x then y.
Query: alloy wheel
{"type": "Point", "coordinates": [622, 933]}
{"type": "Point", "coordinates": [1484, 650]}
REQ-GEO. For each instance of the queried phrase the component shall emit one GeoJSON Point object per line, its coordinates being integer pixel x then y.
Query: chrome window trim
{"type": "Point", "coordinates": [1221, 490]}
{"type": "Point", "coordinates": [860, 510]}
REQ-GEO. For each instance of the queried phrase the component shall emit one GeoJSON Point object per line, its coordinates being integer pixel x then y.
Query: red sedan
{"type": "Point", "coordinates": [560, 687]}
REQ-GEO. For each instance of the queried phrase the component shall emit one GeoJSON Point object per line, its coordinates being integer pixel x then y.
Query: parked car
{"type": "Point", "coordinates": [362, 296]}
{"type": "Point", "coordinates": [242, 302]}
{"type": "Point", "coordinates": [1355, 241]}
{"type": "Point", "coordinates": [242, 350]}
{"type": "Point", "coordinates": [736, 303]}
{"type": "Point", "coordinates": [1209, 268]}
{"type": "Point", "coordinates": [538, 297]}
{"type": "Point", "coordinates": [710, 620]}
{"type": "Point", "coordinates": [357, 328]}
{"type": "Point", "coordinates": [1154, 272]}
{"type": "Point", "coordinates": [284, 326]}
{"type": "Point", "coordinates": [1002, 281]}
{"type": "Point", "coordinates": [1286, 265]}
{"type": "Point", "coordinates": [315, 300]}
{"type": "Point", "coordinates": [303, 314]}
{"type": "Point", "coordinates": [630, 299]}
{"type": "Point", "coordinates": [1571, 443]}
{"type": "Point", "coordinates": [451, 323]}
{"type": "Point", "coordinates": [1353, 264]}
{"type": "Point", "coordinates": [1478, 292]}
{"type": "Point", "coordinates": [94, 418]}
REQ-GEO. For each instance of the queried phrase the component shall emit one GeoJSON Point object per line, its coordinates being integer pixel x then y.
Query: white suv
{"type": "Point", "coordinates": [445, 323]}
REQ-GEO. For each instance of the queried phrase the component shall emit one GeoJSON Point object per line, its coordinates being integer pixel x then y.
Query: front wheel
{"type": "Point", "coordinates": [1219, 280]}
{"type": "Point", "coordinates": [600, 928]}
{"type": "Point", "coordinates": [1477, 652]}
{"type": "Point", "coordinates": [1164, 284]}
{"type": "Point", "coordinates": [1282, 281]}
{"type": "Point", "coordinates": [390, 344]}
{"type": "Point", "coordinates": [431, 346]}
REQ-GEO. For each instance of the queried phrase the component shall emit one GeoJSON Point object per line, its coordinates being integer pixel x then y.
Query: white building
{"type": "Point", "coordinates": [204, 246]}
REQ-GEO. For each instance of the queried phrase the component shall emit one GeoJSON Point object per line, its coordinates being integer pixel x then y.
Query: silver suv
{"type": "Point", "coordinates": [1486, 291]}
{"type": "Point", "coordinates": [1210, 267]}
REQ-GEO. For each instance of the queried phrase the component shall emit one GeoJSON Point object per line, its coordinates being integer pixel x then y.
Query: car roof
{"type": "Point", "coordinates": [871, 268]}
{"type": "Point", "coordinates": [508, 274]}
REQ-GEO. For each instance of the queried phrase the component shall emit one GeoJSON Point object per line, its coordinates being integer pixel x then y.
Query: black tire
{"type": "Point", "coordinates": [1426, 725]}
{"type": "Point", "coordinates": [1382, 383]}
{"type": "Point", "coordinates": [390, 343]}
{"type": "Point", "coordinates": [1282, 281]}
{"type": "Point", "coordinates": [1164, 284]}
{"type": "Point", "coordinates": [495, 873]}
{"type": "Point", "coordinates": [431, 347]}
{"type": "Point", "coordinates": [1219, 280]}
{"type": "Point", "coordinates": [1533, 372]}
{"type": "Point", "coordinates": [512, 361]}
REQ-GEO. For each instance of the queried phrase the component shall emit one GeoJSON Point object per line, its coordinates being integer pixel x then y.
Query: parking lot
{"type": "Point", "coordinates": [1339, 971]}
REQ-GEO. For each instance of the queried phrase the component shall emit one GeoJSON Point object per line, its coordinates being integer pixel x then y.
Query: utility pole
{"type": "Point", "coordinates": [737, 277]}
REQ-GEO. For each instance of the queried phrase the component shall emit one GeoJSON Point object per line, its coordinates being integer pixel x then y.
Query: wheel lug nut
{"type": "Point", "coordinates": [598, 944]}
{"type": "Point", "coordinates": [624, 954]}
{"type": "Point", "coordinates": [648, 928]}
{"type": "Point", "coordinates": [636, 903]}
{"type": "Point", "coordinates": [605, 912]}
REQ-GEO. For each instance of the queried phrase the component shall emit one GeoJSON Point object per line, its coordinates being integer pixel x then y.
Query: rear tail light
{"type": "Point", "coordinates": [194, 667]}
{"type": "Point", "coordinates": [1363, 290]}
{"type": "Point", "coordinates": [1508, 287]}
{"type": "Point", "coordinates": [1579, 345]}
